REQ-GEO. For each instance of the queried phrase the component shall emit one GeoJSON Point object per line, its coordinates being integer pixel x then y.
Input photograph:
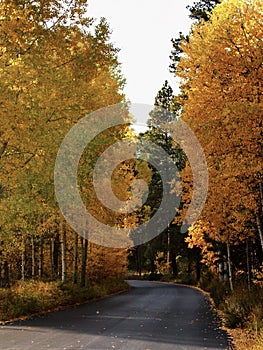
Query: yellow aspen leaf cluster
{"type": "Point", "coordinates": [221, 70]}
{"type": "Point", "coordinates": [56, 67]}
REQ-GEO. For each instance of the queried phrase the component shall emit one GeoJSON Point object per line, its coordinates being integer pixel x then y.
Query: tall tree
{"type": "Point", "coordinates": [55, 67]}
{"type": "Point", "coordinates": [199, 11]}
{"type": "Point", "coordinates": [165, 111]}
{"type": "Point", "coordinates": [221, 72]}
{"type": "Point", "coordinates": [202, 9]}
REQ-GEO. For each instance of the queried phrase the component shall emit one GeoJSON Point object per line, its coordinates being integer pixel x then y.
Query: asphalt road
{"type": "Point", "coordinates": [152, 316]}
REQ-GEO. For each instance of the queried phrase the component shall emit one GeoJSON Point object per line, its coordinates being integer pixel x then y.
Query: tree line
{"type": "Point", "coordinates": [219, 64]}
{"type": "Point", "coordinates": [56, 66]}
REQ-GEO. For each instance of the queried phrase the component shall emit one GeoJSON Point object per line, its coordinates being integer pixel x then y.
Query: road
{"type": "Point", "coordinates": [152, 316]}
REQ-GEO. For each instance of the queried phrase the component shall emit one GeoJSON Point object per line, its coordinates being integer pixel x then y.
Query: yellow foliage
{"type": "Point", "coordinates": [48, 60]}
{"type": "Point", "coordinates": [222, 73]}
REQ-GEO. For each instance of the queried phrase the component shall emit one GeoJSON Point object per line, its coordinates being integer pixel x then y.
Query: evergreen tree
{"type": "Point", "coordinates": [202, 9]}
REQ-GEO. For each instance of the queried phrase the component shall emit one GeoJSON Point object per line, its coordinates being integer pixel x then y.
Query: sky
{"type": "Point", "coordinates": [142, 30]}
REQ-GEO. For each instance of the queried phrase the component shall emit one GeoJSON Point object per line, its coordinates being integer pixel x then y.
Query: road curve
{"type": "Point", "coordinates": [152, 316]}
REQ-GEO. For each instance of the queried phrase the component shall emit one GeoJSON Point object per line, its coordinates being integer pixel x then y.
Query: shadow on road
{"type": "Point", "coordinates": [151, 316]}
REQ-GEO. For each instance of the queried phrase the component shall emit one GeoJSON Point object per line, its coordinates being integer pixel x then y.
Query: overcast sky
{"type": "Point", "coordinates": [143, 30]}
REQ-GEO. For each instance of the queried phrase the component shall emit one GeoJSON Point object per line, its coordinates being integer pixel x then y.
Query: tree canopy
{"type": "Point", "coordinates": [221, 71]}
{"type": "Point", "coordinates": [56, 66]}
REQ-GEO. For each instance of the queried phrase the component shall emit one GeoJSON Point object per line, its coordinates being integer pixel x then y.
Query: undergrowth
{"type": "Point", "coordinates": [33, 297]}
{"type": "Point", "coordinates": [241, 311]}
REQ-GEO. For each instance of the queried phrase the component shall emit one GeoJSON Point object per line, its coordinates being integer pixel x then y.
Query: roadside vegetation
{"type": "Point", "coordinates": [29, 298]}
{"type": "Point", "coordinates": [240, 310]}
{"type": "Point", "coordinates": [220, 66]}
{"type": "Point", "coordinates": [56, 67]}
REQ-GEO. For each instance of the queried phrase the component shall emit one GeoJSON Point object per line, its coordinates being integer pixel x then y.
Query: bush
{"type": "Point", "coordinates": [217, 290]}
{"type": "Point", "coordinates": [155, 277]}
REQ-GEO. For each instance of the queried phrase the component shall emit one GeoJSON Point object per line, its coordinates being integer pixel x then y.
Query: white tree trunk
{"type": "Point", "coordinates": [260, 230]}
{"type": "Point", "coordinates": [259, 221]}
{"type": "Point", "coordinates": [75, 261]}
{"type": "Point", "coordinates": [33, 263]}
{"type": "Point", "coordinates": [40, 262]}
{"type": "Point", "coordinates": [248, 264]}
{"type": "Point", "coordinates": [63, 255]}
{"type": "Point", "coordinates": [168, 246]}
{"type": "Point", "coordinates": [220, 266]}
{"type": "Point", "coordinates": [229, 262]}
{"type": "Point", "coordinates": [23, 260]}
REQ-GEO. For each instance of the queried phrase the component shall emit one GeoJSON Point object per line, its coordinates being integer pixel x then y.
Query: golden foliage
{"type": "Point", "coordinates": [53, 72]}
{"type": "Point", "coordinates": [222, 73]}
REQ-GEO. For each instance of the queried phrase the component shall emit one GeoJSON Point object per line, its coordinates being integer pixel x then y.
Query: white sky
{"type": "Point", "coordinates": [143, 30]}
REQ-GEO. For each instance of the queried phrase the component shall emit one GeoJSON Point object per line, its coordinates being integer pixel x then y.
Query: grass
{"type": "Point", "coordinates": [243, 316]}
{"type": "Point", "coordinates": [244, 308]}
{"type": "Point", "coordinates": [35, 297]}
{"type": "Point", "coordinates": [241, 312]}
{"type": "Point", "coordinates": [244, 339]}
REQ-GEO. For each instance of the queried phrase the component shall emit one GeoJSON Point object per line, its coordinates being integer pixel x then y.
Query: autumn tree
{"type": "Point", "coordinates": [221, 71]}
{"type": "Point", "coordinates": [200, 10]}
{"type": "Point", "coordinates": [56, 67]}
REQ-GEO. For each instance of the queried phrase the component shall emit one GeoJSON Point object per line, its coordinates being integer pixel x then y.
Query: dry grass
{"type": "Point", "coordinates": [35, 297]}
{"type": "Point", "coordinates": [241, 312]}
{"type": "Point", "coordinates": [244, 339]}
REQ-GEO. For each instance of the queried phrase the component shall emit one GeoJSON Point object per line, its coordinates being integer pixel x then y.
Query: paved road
{"type": "Point", "coordinates": [152, 316]}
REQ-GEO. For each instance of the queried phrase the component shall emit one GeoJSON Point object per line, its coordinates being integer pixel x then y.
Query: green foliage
{"type": "Point", "coordinates": [217, 290]}
{"type": "Point", "coordinates": [201, 9]}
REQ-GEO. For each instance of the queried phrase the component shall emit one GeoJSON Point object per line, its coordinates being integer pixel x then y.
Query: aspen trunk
{"type": "Point", "coordinates": [248, 264]}
{"type": "Point", "coordinates": [4, 272]}
{"type": "Point", "coordinates": [52, 246]}
{"type": "Point", "coordinates": [259, 222]}
{"type": "Point", "coordinates": [63, 254]}
{"type": "Point", "coordinates": [33, 257]}
{"type": "Point", "coordinates": [54, 252]}
{"type": "Point", "coordinates": [225, 264]}
{"type": "Point", "coordinates": [23, 260]}
{"type": "Point", "coordinates": [168, 247]}
{"type": "Point", "coordinates": [260, 231]}
{"type": "Point", "coordinates": [220, 267]}
{"type": "Point", "coordinates": [152, 258]}
{"type": "Point", "coordinates": [40, 262]}
{"type": "Point", "coordinates": [198, 268]}
{"type": "Point", "coordinates": [229, 263]}
{"type": "Point", "coordinates": [138, 260]}
{"type": "Point", "coordinates": [75, 261]}
{"type": "Point", "coordinates": [174, 266]}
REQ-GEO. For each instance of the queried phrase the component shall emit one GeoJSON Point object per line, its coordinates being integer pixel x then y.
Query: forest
{"type": "Point", "coordinates": [57, 67]}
